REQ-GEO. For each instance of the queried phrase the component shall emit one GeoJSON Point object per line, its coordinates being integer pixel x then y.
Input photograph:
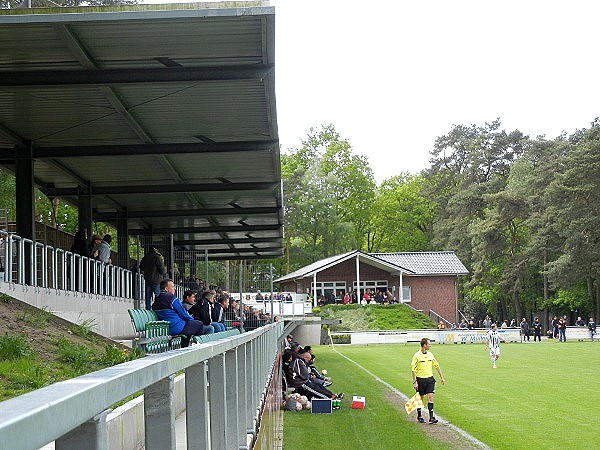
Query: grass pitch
{"type": "Point", "coordinates": [541, 396]}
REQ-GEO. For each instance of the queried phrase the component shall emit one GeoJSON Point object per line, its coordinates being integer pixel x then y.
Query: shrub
{"type": "Point", "coordinates": [13, 347]}
{"type": "Point", "coordinates": [84, 329]}
{"type": "Point", "coordinates": [77, 356]}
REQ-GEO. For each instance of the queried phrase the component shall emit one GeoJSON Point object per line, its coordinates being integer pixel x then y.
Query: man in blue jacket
{"type": "Point", "coordinates": [168, 307]}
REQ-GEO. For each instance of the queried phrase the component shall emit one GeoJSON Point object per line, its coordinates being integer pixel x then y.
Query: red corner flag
{"type": "Point", "coordinates": [414, 403]}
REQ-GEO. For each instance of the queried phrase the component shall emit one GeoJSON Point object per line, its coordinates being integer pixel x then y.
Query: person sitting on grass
{"type": "Point", "coordinates": [168, 307]}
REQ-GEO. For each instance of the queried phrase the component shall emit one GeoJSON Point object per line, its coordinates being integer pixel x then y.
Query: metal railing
{"type": "Point", "coordinates": [24, 261]}
{"type": "Point", "coordinates": [439, 318]}
{"type": "Point", "coordinates": [226, 383]}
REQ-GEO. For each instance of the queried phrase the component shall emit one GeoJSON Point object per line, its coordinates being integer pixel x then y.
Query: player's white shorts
{"type": "Point", "coordinates": [494, 351]}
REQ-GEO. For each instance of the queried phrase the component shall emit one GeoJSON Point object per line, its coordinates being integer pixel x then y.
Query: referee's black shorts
{"type": "Point", "coordinates": [426, 385]}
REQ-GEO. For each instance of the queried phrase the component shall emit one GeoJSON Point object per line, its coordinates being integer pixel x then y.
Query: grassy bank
{"type": "Point", "coordinates": [374, 317]}
{"type": "Point", "coordinates": [38, 349]}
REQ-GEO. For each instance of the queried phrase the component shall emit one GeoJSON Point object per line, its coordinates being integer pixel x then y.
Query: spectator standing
{"type": "Point", "coordinates": [524, 330]}
{"type": "Point", "coordinates": [562, 329]}
{"type": "Point", "coordinates": [462, 325]}
{"type": "Point", "coordinates": [93, 246]}
{"type": "Point", "coordinates": [579, 322]}
{"type": "Point", "coordinates": [513, 323]}
{"type": "Point", "coordinates": [504, 324]}
{"type": "Point", "coordinates": [168, 307]}
{"type": "Point", "coordinates": [487, 323]}
{"type": "Point", "coordinates": [79, 247]}
{"type": "Point", "coordinates": [537, 329]}
{"type": "Point", "coordinates": [422, 365]}
{"type": "Point", "coordinates": [154, 271]}
{"type": "Point", "coordinates": [80, 244]}
{"type": "Point", "coordinates": [592, 328]}
{"type": "Point", "coordinates": [103, 249]}
{"type": "Point", "coordinates": [555, 327]}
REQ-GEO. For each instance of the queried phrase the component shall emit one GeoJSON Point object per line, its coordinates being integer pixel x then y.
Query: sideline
{"type": "Point", "coordinates": [474, 441]}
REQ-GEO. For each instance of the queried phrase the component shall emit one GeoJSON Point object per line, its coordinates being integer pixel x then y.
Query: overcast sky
{"type": "Point", "coordinates": [393, 75]}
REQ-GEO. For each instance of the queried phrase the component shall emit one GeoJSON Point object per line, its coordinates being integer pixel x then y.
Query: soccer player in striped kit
{"type": "Point", "coordinates": [492, 341]}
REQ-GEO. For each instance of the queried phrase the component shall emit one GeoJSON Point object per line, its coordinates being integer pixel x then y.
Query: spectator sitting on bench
{"type": "Point", "coordinates": [300, 378]}
{"type": "Point", "coordinates": [203, 311]}
{"type": "Point", "coordinates": [219, 309]}
{"type": "Point", "coordinates": [168, 307]}
{"type": "Point", "coordinates": [315, 375]}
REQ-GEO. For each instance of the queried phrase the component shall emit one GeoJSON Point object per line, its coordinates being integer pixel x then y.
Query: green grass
{"type": "Point", "coordinates": [374, 317]}
{"type": "Point", "coordinates": [541, 396]}
{"type": "Point", "coordinates": [379, 426]}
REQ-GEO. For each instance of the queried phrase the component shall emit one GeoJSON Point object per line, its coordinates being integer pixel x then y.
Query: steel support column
{"type": "Point", "coordinates": [159, 414]}
{"type": "Point", "coordinates": [24, 180]}
{"type": "Point", "coordinates": [123, 240]}
{"type": "Point", "coordinates": [197, 411]}
{"type": "Point", "coordinates": [218, 408]}
{"type": "Point", "coordinates": [90, 435]}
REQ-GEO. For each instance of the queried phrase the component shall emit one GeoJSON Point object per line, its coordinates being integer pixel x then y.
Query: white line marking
{"type": "Point", "coordinates": [473, 440]}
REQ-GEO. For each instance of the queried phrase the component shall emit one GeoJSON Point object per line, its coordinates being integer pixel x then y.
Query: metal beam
{"type": "Point", "coordinates": [245, 257]}
{"type": "Point", "coordinates": [190, 212]}
{"type": "Point", "coordinates": [13, 137]}
{"type": "Point", "coordinates": [111, 77]}
{"type": "Point", "coordinates": [78, 49]}
{"type": "Point", "coordinates": [164, 189]}
{"type": "Point", "coordinates": [201, 230]}
{"type": "Point", "coordinates": [217, 251]}
{"type": "Point", "coordinates": [203, 242]}
{"type": "Point", "coordinates": [143, 149]}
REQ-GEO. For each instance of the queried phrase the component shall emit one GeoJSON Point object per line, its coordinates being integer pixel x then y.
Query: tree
{"type": "Point", "coordinates": [401, 216]}
{"type": "Point", "coordinates": [328, 196]}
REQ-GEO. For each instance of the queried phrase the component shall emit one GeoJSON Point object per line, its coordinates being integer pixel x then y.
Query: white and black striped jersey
{"type": "Point", "coordinates": [493, 337]}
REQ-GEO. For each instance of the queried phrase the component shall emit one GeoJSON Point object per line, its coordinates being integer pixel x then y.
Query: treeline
{"type": "Point", "coordinates": [521, 213]}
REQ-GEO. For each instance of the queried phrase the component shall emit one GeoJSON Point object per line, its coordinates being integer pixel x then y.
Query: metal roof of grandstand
{"type": "Point", "coordinates": [426, 263]}
{"type": "Point", "coordinates": [165, 114]}
{"type": "Point", "coordinates": [410, 263]}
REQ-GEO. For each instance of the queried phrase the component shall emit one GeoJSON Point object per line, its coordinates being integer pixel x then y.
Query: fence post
{"type": "Point", "coordinates": [218, 409]}
{"type": "Point", "coordinates": [159, 414]}
{"type": "Point", "coordinates": [197, 411]}
{"type": "Point", "coordinates": [91, 435]}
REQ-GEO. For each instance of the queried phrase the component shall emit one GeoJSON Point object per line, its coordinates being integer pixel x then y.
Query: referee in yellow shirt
{"type": "Point", "coordinates": [422, 365]}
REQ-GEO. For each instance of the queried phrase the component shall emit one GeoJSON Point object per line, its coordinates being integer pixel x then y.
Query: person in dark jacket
{"type": "Point", "coordinates": [203, 311]}
{"type": "Point", "coordinates": [79, 247]}
{"type": "Point", "coordinates": [168, 307]}
{"type": "Point", "coordinates": [300, 379]}
{"type": "Point", "coordinates": [219, 310]}
{"type": "Point", "coordinates": [154, 272]}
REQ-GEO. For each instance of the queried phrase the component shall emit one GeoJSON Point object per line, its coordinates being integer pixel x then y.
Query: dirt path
{"type": "Point", "coordinates": [443, 431]}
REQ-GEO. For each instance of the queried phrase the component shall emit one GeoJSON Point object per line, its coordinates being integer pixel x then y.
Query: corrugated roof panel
{"type": "Point", "coordinates": [426, 263]}
{"type": "Point", "coordinates": [141, 112]}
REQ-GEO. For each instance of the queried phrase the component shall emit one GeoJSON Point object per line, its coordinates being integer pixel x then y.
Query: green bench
{"type": "Point", "coordinates": [151, 333]}
{"type": "Point", "coordinates": [205, 338]}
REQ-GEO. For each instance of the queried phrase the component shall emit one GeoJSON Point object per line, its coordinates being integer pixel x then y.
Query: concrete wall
{"type": "Point", "coordinates": [309, 332]}
{"type": "Point", "coordinates": [107, 316]}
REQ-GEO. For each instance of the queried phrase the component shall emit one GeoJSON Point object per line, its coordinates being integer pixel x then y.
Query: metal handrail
{"type": "Point", "coordinates": [233, 372]}
{"type": "Point", "coordinates": [57, 268]}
